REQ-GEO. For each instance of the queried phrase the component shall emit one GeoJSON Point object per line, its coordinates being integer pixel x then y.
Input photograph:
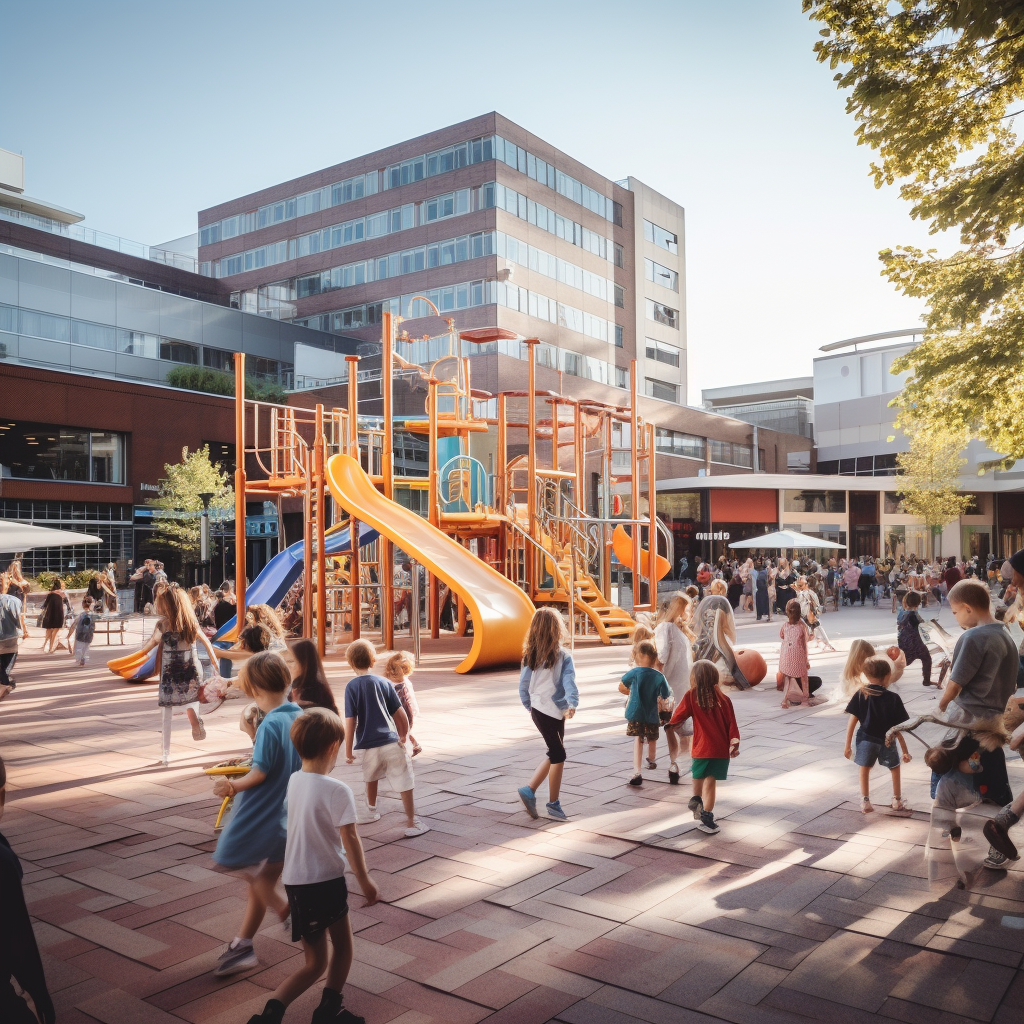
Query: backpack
{"type": "Point", "coordinates": [85, 629]}
{"type": "Point", "coordinates": [10, 621]}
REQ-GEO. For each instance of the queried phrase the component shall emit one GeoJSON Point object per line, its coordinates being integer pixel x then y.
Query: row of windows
{"type": "Point", "coordinates": [662, 314]}
{"type": "Point", "coordinates": [661, 389]}
{"type": "Point", "coordinates": [864, 465]}
{"type": "Point", "coordinates": [732, 454]}
{"type": "Point", "coordinates": [543, 308]}
{"type": "Point", "coordinates": [661, 275]}
{"type": "Point", "coordinates": [401, 218]}
{"type": "Point", "coordinates": [511, 201]}
{"type": "Point", "coordinates": [49, 327]}
{"type": "Point", "coordinates": [668, 240]}
{"type": "Point", "coordinates": [558, 269]}
{"type": "Point", "coordinates": [63, 511]}
{"type": "Point", "coordinates": [290, 209]}
{"type": "Point", "coordinates": [42, 451]}
{"type": "Point", "coordinates": [663, 352]}
{"type": "Point", "coordinates": [675, 442]}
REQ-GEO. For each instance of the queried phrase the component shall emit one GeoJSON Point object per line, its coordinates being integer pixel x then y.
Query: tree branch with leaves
{"type": "Point", "coordinates": [934, 87]}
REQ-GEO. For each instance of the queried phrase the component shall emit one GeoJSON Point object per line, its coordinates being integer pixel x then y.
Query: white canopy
{"type": "Point", "coordinates": [15, 537]}
{"type": "Point", "coordinates": [785, 539]}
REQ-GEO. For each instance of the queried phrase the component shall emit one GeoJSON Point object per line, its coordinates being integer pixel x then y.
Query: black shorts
{"type": "Point", "coordinates": [553, 730]}
{"type": "Point", "coordinates": [316, 907]}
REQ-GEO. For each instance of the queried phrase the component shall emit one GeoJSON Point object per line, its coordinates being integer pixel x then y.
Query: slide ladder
{"type": "Point", "coordinates": [612, 624]}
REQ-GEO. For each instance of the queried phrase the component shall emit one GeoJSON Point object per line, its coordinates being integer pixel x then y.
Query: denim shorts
{"type": "Point", "coordinates": [869, 750]}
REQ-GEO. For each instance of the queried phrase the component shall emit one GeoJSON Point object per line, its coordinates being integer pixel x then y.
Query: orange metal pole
{"type": "Point", "coordinates": [321, 545]}
{"type": "Point", "coordinates": [531, 462]}
{"type": "Point", "coordinates": [652, 535]}
{"type": "Point", "coordinates": [353, 523]}
{"type": "Point", "coordinates": [578, 463]}
{"type": "Point", "coordinates": [386, 557]}
{"type": "Point", "coordinates": [240, 488]}
{"type": "Point", "coordinates": [307, 550]}
{"type": "Point", "coordinates": [433, 512]}
{"type": "Point", "coordinates": [500, 495]}
{"type": "Point", "coordinates": [634, 445]}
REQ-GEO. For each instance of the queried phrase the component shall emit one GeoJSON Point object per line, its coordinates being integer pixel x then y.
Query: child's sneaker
{"type": "Point", "coordinates": [865, 805]}
{"type": "Point", "coordinates": [996, 832]}
{"type": "Point", "coordinates": [529, 800]}
{"type": "Point", "coordinates": [235, 959]}
{"type": "Point", "coordinates": [696, 805]}
{"type": "Point", "coordinates": [372, 815]}
{"type": "Point", "coordinates": [651, 765]}
{"type": "Point", "coordinates": [637, 780]}
{"type": "Point", "coordinates": [900, 808]}
{"type": "Point", "coordinates": [417, 828]}
{"type": "Point", "coordinates": [555, 811]}
{"type": "Point", "coordinates": [995, 859]}
{"type": "Point", "coordinates": [708, 823]}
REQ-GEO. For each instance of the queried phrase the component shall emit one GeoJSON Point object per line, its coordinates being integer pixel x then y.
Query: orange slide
{"type": "Point", "coordinates": [622, 545]}
{"type": "Point", "coordinates": [501, 612]}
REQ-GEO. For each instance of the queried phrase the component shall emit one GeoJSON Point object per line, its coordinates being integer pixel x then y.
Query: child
{"type": "Point", "coordinates": [877, 710]}
{"type": "Point", "coordinates": [793, 662]}
{"type": "Point", "coordinates": [673, 639]}
{"type": "Point", "coordinates": [19, 954]}
{"type": "Point", "coordinates": [645, 686]}
{"type": "Point", "coordinates": [981, 681]}
{"type": "Point", "coordinates": [852, 678]}
{"type": "Point", "coordinates": [84, 627]}
{"type": "Point", "coordinates": [320, 811]}
{"type": "Point", "coordinates": [547, 688]}
{"type": "Point", "coordinates": [254, 836]}
{"type": "Point", "coordinates": [716, 739]}
{"type": "Point", "coordinates": [640, 634]}
{"type": "Point", "coordinates": [376, 720]}
{"type": "Point", "coordinates": [909, 637]}
{"type": "Point", "coordinates": [398, 670]}
{"type": "Point", "coordinates": [309, 681]}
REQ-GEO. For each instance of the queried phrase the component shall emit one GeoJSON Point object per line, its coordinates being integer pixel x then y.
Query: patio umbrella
{"type": "Point", "coordinates": [15, 537]}
{"type": "Point", "coordinates": [785, 539]}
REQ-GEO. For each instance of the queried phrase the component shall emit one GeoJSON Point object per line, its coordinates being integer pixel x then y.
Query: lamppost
{"type": "Point", "coordinates": [204, 536]}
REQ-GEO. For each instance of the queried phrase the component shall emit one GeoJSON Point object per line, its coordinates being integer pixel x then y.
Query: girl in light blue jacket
{"type": "Point", "coordinates": [547, 688]}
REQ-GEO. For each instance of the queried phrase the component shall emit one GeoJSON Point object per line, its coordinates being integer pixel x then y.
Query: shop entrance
{"type": "Point", "coordinates": [865, 530]}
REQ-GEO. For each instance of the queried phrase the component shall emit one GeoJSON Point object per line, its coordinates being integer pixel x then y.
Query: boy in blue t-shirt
{"type": "Point", "coordinates": [645, 685]}
{"type": "Point", "coordinates": [377, 722]}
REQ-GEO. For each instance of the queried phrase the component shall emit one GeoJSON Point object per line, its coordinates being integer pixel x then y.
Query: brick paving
{"type": "Point", "coordinates": [801, 909]}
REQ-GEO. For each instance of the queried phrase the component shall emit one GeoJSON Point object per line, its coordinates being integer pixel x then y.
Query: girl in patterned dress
{"type": "Point", "coordinates": [793, 662]}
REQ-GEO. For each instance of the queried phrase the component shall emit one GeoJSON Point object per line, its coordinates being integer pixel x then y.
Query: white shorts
{"type": "Point", "coordinates": [81, 652]}
{"type": "Point", "coordinates": [389, 761]}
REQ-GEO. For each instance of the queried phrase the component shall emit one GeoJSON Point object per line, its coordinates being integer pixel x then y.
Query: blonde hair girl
{"type": "Point", "coordinates": [675, 655]}
{"type": "Point", "coordinates": [852, 678]}
{"type": "Point", "coordinates": [547, 688]}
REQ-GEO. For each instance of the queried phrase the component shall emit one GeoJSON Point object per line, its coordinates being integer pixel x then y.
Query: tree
{"type": "Point", "coordinates": [216, 382]}
{"type": "Point", "coordinates": [179, 499]}
{"type": "Point", "coordinates": [935, 86]}
{"type": "Point", "coordinates": [930, 480]}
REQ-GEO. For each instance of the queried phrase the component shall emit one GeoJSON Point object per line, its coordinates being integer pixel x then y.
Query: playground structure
{"type": "Point", "coordinates": [506, 527]}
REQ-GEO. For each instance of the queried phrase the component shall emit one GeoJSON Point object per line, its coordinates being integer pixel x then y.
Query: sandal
{"type": "Point", "coordinates": [637, 780]}
{"type": "Point", "coordinates": [651, 765]}
{"type": "Point", "coordinates": [417, 750]}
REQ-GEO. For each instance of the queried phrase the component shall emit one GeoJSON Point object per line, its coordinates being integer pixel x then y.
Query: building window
{"type": "Point", "coordinates": [135, 343]}
{"type": "Point", "coordinates": [218, 359]}
{"type": "Point", "coordinates": [730, 454]}
{"type": "Point", "coordinates": [40, 451]}
{"type": "Point", "coordinates": [621, 377]}
{"type": "Point", "coordinates": [618, 335]}
{"type": "Point", "coordinates": [814, 501]}
{"type": "Point", "coordinates": [662, 314]}
{"type": "Point", "coordinates": [661, 237]}
{"type": "Point", "coordinates": [662, 352]}
{"type": "Point", "coordinates": [661, 275]}
{"type": "Point", "coordinates": [675, 442]}
{"type": "Point", "coordinates": [893, 504]}
{"type": "Point", "coordinates": [617, 257]}
{"type": "Point", "coordinates": [662, 390]}
{"type": "Point", "coordinates": [179, 352]}
{"type": "Point", "coordinates": [620, 296]}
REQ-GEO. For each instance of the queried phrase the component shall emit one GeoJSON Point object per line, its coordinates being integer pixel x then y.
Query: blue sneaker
{"type": "Point", "coordinates": [529, 800]}
{"type": "Point", "coordinates": [555, 811]}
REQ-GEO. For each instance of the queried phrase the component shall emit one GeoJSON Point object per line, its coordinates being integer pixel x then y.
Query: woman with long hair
{"type": "Point", "coordinates": [673, 638]}
{"type": "Point", "coordinates": [310, 688]}
{"type": "Point", "coordinates": [53, 616]}
{"type": "Point", "coordinates": [176, 634]}
{"type": "Point", "coordinates": [716, 635]}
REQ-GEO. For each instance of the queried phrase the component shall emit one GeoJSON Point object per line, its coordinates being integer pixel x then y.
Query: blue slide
{"type": "Point", "coordinates": [271, 585]}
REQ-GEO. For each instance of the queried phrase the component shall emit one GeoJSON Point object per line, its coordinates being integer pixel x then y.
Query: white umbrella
{"type": "Point", "coordinates": [785, 539]}
{"type": "Point", "coordinates": [15, 537]}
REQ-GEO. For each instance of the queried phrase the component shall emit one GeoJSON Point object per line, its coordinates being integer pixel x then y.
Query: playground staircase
{"type": "Point", "coordinates": [611, 623]}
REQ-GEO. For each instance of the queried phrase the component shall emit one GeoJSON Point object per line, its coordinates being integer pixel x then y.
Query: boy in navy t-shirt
{"type": "Point", "coordinates": [377, 722]}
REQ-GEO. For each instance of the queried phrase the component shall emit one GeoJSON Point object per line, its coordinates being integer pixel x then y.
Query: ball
{"type": "Point", "coordinates": [892, 653]}
{"type": "Point", "coordinates": [752, 665]}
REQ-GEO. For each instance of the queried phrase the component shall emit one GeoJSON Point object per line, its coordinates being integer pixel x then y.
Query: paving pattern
{"type": "Point", "coordinates": [801, 909]}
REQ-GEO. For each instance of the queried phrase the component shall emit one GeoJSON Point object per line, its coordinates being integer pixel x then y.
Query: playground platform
{"type": "Point", "coordinates": [801, 909]}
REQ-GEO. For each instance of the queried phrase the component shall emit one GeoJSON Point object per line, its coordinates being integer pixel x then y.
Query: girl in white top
{"type": "Point", "coordinates": [673, 638]}
{"type": "Point", "coordinates": [322, 844]}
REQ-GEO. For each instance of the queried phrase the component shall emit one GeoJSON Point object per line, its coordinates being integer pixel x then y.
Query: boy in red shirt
{"type": "Point", "coordinates": [716, 739]}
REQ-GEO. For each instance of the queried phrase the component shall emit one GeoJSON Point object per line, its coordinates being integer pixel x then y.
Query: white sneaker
{"type": "Point", "coordinates": [372, 815]}
{"type": "Point", "coordinates": [417, 828]}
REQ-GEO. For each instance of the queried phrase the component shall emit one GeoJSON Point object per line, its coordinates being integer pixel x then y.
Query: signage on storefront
{"type": "Point", "coordinates": [149, 487]}
{"type": "Point", "coordinates": [715, 535]}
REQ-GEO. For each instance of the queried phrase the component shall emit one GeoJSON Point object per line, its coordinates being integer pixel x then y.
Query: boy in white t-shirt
{"type": "Point", "coordinates": [322, 844]}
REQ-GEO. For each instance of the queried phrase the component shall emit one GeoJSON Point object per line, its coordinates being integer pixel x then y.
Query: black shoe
{"type": "Point", "coordinates": [273, 1013]}
{"type": "Point", "coordinates": [696, 805]}
{"type": "Point", "coordinates": [637, 780]}
{"type": "Point", "coordinates": [673, 774]}
{"type": "Point", "coordinates": [708, 823]}
{"type": "Point", "coordinates": [996, 834]}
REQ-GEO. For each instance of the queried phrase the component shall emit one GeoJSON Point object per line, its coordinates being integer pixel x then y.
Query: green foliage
{"type": "Point", "coordinates": [179, 494]}
{"type": "Point", "coordinates": [72, 580]}
{"type": "Point", "coordinates": [215, 382]}
{"type": "Point", "coordinates": [934, 86]}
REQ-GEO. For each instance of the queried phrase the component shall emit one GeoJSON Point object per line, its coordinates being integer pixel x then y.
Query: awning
{"type": "Point", "coordinates": [15, 537]}
{"type": "Point", "coordinates": [785, 539]}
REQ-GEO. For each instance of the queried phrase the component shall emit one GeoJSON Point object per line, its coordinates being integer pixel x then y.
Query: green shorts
{"type": "Point", "coordinates": [713, 767]}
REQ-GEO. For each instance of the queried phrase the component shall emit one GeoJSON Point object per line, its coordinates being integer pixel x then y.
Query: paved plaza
{"type": "Point", "coordinates": [801, 909]}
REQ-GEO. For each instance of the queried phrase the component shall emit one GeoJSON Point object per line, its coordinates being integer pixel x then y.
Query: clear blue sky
{"type": "Point", "coordinates": [140, 114]}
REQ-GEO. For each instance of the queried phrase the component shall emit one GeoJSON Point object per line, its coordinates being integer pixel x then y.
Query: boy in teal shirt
{"type": "Point", "coordinates": [645, 685]}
